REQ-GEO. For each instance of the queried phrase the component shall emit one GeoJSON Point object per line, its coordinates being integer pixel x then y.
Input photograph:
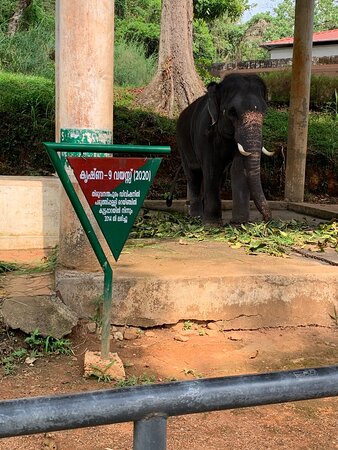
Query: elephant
{"type": "Point", "coordinates": [224, 126]}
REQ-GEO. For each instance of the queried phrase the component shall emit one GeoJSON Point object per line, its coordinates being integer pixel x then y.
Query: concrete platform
{"type": "Point", "coordinates": [162, 282]}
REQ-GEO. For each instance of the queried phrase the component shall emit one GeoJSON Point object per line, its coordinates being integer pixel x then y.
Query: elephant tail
{"type": "Point", "coordinates": [170, 195]}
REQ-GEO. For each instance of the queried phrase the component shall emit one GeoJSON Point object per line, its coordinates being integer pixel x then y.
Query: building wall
{"type": "Point", "coordinates": [317, 50]}
{"type": "Point", "coordinates": [30, 209]}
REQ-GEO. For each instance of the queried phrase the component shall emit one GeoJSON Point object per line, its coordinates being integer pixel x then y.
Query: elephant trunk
{"type": "Point", "coordinates": [252, 167]}
{"type": "Point", "coordinates": [249, 136]}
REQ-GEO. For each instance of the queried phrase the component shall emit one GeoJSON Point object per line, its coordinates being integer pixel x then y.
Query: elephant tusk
{"type": "Point", "coordinates": [266, 152]}
{"type": "Point", "coordinates": [242, 151]}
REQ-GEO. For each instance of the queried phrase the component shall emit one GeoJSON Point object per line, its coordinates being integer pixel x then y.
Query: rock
{"type": "Point", "coordinates": [189, 332]}
{"type": "Point", "coordinates": [235, 337]}
{"type": "Point", "coordinates": [30, 360]}
{"type": "Point", "coordinates": [149, 334]}
{"type": "Point", "coordinates": [178, 327]}
{"type": "Point", "coordinates": [91, 327]}
{"type": "Point", "coordinates": [41, 310]}
{"type": "Point", "coordinates": [94, 365]}
{"type": "Point", "coordinates": [220, 324]}
{"type": "Point", "coordinates": [181, 338]}
{"type": "Point", "coordinates": [118, 336]}
{"type": "Point", "coordinates": [212, 326]}
{"type": "Point", "coordinates": [211, 333]}
{"type": "Point", "coordinates": [131, 333]}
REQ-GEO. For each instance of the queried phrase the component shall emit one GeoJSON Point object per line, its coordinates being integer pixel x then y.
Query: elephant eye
{"type": "Point", "coordinates": [232, 112]}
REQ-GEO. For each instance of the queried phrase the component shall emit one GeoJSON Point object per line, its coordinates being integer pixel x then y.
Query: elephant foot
{"type": "Point", "coordinates": [239, 220]}
{"type": "Point", "coordinates": [195, 210]}
{"type": "Point", "coordinates": [212, 223]}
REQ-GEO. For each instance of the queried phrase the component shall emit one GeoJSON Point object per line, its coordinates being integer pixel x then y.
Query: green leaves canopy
{"type": "Point", "coordinates": [211, 9]}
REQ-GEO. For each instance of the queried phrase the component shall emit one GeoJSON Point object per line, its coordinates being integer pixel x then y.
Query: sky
{"type": "Point", "coordinates": [262, 6]}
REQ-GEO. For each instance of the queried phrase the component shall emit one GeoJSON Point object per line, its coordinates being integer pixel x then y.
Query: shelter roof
{"type": "Point", "coordinates": [319, 38]}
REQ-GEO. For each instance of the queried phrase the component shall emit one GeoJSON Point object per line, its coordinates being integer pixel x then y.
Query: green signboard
{"type": "Point", "coordinates": [115, 189]}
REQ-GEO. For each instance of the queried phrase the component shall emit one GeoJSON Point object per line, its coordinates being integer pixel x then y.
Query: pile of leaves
{"type": "Point", "coordinates": [277, 238]}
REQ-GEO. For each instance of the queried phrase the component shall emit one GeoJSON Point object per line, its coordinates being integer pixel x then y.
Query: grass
{"type": "Point", "coordinates": [48, 264]}
{"type": "Point", "coordinates": [41, 345]}
{"type": "Point", "coordinates": [36, 346]}
{"type": "Point", "coordinates": [8, 267]}
{"type": "Point", "coordinates": [19, 53]}
{"type": "Point", "coordinates": [275, 238]}
{"type": "Point", "coordinates": [134, 380]}
{"type": "Point", "coordinates": [334, 316]}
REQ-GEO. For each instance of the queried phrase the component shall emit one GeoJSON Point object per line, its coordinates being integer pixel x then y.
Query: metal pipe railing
{"type": "Point", "coordinates": [159, 401]}
{"type": "Point", "coordinates": [106, 148]}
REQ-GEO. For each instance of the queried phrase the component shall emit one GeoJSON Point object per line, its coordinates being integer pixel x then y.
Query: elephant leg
{"type": "Point", "coordinates": [240, 192]}
{"type": "Point", "coordinates": [195, 192]}
{"type": "Point", "coordinates": [212, 214]}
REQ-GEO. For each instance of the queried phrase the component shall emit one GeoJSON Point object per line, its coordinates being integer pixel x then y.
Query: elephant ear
{"type": "Point", "coordinates": [213, 104]}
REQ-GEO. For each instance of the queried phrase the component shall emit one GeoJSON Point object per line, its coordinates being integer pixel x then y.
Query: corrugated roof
{"type": "Point", "coordinates": [321, 36]}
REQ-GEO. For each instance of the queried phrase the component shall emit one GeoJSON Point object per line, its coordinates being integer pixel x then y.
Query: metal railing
{"type": "Point", "coordinates": [150, 406]}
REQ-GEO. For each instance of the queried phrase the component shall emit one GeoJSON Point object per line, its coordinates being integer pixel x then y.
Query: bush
{"type": "Point", "coordinates": [322, 155]}
{"type": "Point", "coordinates": [30, 52]}
{"type": "Point", "coordinates": [27, 119]}
{"type": "Point", "coordinates": [323, 88]}
{"type": "Point", "coordinates": [131, 67]}
{"type": "Point", "coordinates": [147, 34]}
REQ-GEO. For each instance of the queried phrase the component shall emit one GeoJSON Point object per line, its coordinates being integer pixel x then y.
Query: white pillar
{"type": "Point", "coordinates": [299, 101]}
{"type": "Point", "coordinates": [84, 100]}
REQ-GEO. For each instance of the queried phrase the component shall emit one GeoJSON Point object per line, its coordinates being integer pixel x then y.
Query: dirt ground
{"type": "Point", "coordinates": [159, 356]}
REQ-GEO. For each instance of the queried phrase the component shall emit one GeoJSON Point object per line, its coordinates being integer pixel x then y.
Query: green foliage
{"type": "Point", "coordinates": [139, 21]}
{"type": "Point", "coordinates": [323, 136]}
{"type": "Point", "coordinates": [25, 94]}
{"type": "Point", "coordinates": [334, 316]}
{"type": "Point", "coordinates": [27, 118]}
{"type": "Point", "coordinates": [282, 22]}
{"type": "Point", "coordinates": [37, 346]}
{"type": "Point", "coordinates": [7, 8]}
{"type": "Point", "coordinates": [134, 380]}
{"type": "Point", "coordinates": [48, 345]}
{"type": "Point", "coordinates": [131, 66]}
{"type": "Point", "coordinates": [187, 325]}
{"type": "Point", "coordinates": [275, 238]}
{"type": "Point", "coordinates": [326, 15]}
{"type": "Point", "coordinates": [203, 49]}
{"type": "Point", "coordinates": [211, 9]}
{"type": "Point", "coordinates": [47, 265]}
{"type": "Point", "coordinates": [146, 10]}
{"type": "Point", "coordinates": [28, 52]}
{"type": "Point", "coordinates": [31, 49]}
{"type": "Point", "coordinates": [146, 34]}
{"type": "Point", "coordinates": [101, 374]}
{"type": "Point", "coordinates": [322, 92]}
{"type": "Point", "coordinates": [8, 267]}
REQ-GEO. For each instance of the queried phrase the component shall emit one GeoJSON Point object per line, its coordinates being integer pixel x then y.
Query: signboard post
{"type": "Point", "coordinates": [115, 188]}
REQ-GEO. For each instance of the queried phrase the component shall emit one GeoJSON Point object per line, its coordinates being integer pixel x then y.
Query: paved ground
{"type": "Point", "coordinates": [212, 282]}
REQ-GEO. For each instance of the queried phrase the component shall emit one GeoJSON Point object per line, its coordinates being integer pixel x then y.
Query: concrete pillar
{"type": "Point", "coordinates": [299, 101]}
{"type": "Point", "coordinates": [84, 100]}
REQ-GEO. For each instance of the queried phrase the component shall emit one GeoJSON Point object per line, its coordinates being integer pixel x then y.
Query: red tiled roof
{"type": "Point", "coordinates": [321, 36]}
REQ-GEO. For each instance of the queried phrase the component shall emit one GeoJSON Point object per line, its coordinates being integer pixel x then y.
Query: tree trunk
{"type": "Point", "coordinates": [176, 83]}
{"type": "Point", "coordinates": [17, 16]}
